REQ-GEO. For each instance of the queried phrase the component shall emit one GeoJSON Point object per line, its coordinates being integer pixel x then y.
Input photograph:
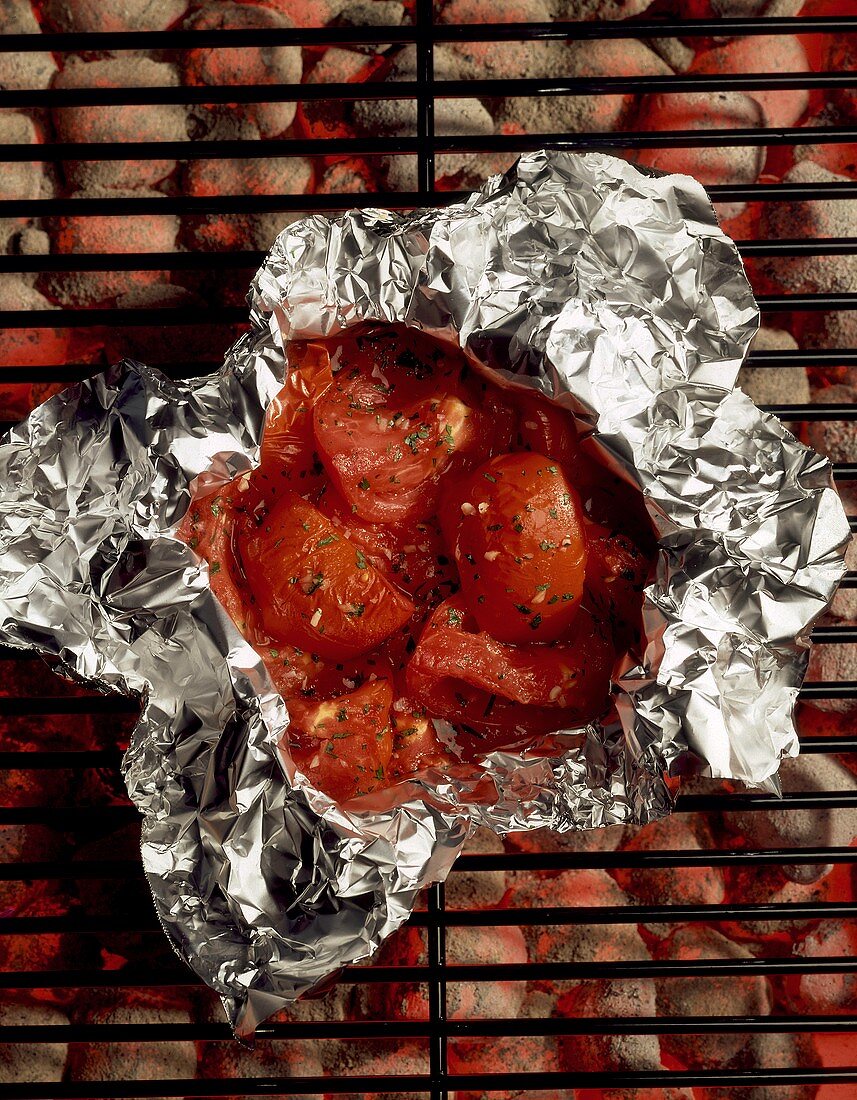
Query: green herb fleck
{"type": "Point", "coordinates": [522, 607]}
{"type": "Point", "coordinates": [453, 617]}
{"type": "Point", "coordinates": [536, 622]}
{"type": "Point", "coordinates": [358, 611]}
{"type": "Point", "coordinates": [326, 541]}
{"type": "Point", "coordinates": [363, 483]}
{"type": "Point", "coordinates": [342, 715]}
{"type": "Point", "coordinates": [361, 560]}
{"type": "Point", "coordinates": [214, 568]}
{"type": "Point", "coordinates": [546, 545]}
{"type": "Point", "coordinates": [490, 477]}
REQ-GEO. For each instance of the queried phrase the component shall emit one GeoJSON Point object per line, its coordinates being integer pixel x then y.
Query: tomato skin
{"type": "Point", "coordinates": [615, 579]}
{"type": "Point", "coordinates": [346, 741]}
{"type": "Point", "coordinates": [208, 528]}
{"type": "Point", "coordinates": [287, 458]}
{"type": "Point", "coordinates": [515, 529]}
{"type": "Point", "coordinates": [546, 429]}
{"type": "Point", "coordinates": [415, 744]}
{"type": "Point", "coordinates": [313, 587]}
{"type": "Point", "coordinates": [572, 675]}
{"type": "Point", "coordinates": [386, 455]}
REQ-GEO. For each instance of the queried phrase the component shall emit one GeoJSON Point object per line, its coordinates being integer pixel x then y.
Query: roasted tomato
{"type": "Point", "coordinates": [288, 459]}
{"type": "Point", "coordinates": [615, 579]}
{"type": "Point", "coordinates": [466, 675]}
{"type": "Point", "coordinates": [313, 587]}
{"type": "Point", "coordinates": [415, 744]}
{"type": "Point", "coordinates": [546, 429]}
{"type": "Point", "coordinates": [515, 530]}
{"type": "Point", "coordinates": [412, 554]}
{"type": "Point", "coordinates": [208, 528]}
{"type": "Point", "coordinates": [393, 427]}
{"type": "Point", "coordinates": [345, 743]}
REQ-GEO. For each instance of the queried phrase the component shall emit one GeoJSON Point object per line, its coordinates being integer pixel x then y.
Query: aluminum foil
{"type": "Point", "coordinates": [612, 290]}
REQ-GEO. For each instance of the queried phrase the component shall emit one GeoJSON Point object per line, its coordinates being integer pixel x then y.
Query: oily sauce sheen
{"type": "Point", "coordinates": [420, 542]}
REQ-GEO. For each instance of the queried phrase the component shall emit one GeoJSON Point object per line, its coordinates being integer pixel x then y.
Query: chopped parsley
{"type": "Point", "coordinates": [363, 483]}
{"type": "Point", "coordinates": [546, 545]}
{"type": "Point", "coordinates": [453, 617]}
{"type": "Point", "coordinates": [326, 541]}
{"type": "Point", "coordinates": [214, 568]}
{"type": "Point", "coordinates": [357, 612]}
{"type": "Point", "coordinates": [536, 622]}
{"type": "Point", "coordinates": [361, 560]}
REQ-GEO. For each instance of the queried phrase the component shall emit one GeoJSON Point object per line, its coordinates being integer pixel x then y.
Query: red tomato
{"type": "Point", "coordinates": [515, 529]}
{"type": "Point", "coordinates": [313, 587]}
{"type": "Point", "coordinates": [415, 744]}
{"type": "Point", "coordinates": [615, 579]}
{"type": "Point", "coordinates": [346, 741]}
{"type": "Point", "coordinates": [208, 528]}
{"type": "Point", "coordinates": [546, 429]}
{"type": "Point", "coordinates": [411, 554]}
{"type": "Point", "coordinates": [288, 459]}
{"type": "Point", "coordinates": [387, 454]}
{"type": "Point", "coordinates": [469, 677]}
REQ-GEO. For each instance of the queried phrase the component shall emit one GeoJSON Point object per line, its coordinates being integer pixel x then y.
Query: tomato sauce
{"type": "Point", "coordinates": [430, 563]}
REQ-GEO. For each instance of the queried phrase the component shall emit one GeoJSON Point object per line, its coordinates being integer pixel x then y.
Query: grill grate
{"type": "Point", "coordinates": [437, 1030]}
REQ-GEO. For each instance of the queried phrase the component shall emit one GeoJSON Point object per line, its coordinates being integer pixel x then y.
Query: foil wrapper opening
{"type": "Point", "coordinates": [614, 292]}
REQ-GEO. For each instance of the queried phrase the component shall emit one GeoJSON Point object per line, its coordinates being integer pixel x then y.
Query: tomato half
{"type": "Point", "coordinates": [347, 741]}
{"type": "Point", "coordinates": [515, 529]}
{"type": "Point", "coordinates": [313, 587]}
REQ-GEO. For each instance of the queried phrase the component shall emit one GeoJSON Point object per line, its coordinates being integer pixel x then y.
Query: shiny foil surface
{"type": "Point", "coordinates": [611, 290]}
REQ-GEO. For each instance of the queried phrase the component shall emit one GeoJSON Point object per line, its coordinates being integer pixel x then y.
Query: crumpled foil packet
{"type": "Point", "coordinates": [612, 290]}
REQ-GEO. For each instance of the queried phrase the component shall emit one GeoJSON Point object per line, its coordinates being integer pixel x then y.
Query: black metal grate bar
{"type": "Point", "coordinates": [237, 204]}
{"type": "Point", "coordinates": [70, 42]}
{"type": "Point", "coordinates": [71, 98]}
{"type": "Point", "coordinates": [454, 1029]}
{"type": "Point", "coordinates": [376, 146]}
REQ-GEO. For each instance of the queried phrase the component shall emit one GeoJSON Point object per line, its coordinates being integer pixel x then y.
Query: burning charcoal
{"type": "Point", "coordinates": [608, 1051]}
{"type": "Point", "coordinates": [249, 176]}
{"type": "Point", "coordinates": [577, 113]}
{"type": "Point", "coordinates": [781, 53]}
{"type": "Point", "coordinates": [834, 662]}
{"type": "Point", "coordinates": [816, 827]}
{"type": "Point", "coordinates": [375, 1058]}
{"type": "Point", "coordinates": [337, 66]}
{"type": "Point", "coordinates": [141, 1062]}
{"type": "Point", "coordinates": [145, 122]}
{"type": "Point", "coordinates": [371, 13]}
{"type": "Point", "coordinates": [575, 942]}
{"type": "Point", "coordinates": [16, 294]}
{"type": "Point", "coordinates": [511, 1054]}
{"type": "Point", "coordinates": [486, 11]}
{"type": "Point", "coordinates": [707, 996]}
{"type": "Point", "coordinates": [113, 15]}
{"type": "Point", "coordinates": [477, 889]}
{"type": "Point", "coordinates": [844, 604]}
{"type": "Point", "coordinates": [471, 1000]}
{"type": "Point", "coordinates": [142, 233]}
{"type": "Point", "coordinates": [249, 65]}
{"type": "Point", "coordinates": [607, 839]}
{"type": "Point", "coordinates": [106, 1061]}
{"type": "Point", "coordinates": [19, 180]}
{"type": "Point", "coordinates": [289, 1058]}
{"type": "Point", "coordinates": [771, 1051]}
{"type": "Point", "coordinates": [728, 9]}
{"type": "Point", "coordinates": [23, 70]}
{"type": "Point", "coordinates": [836, 157]}
{"type": "Point", "coordinates": [770, 886]}
{"type": "Point", "coordinates": [350, 177]}
{"type": "Point", "coordinates": [671, 885]}
{"type": "Point", "coordinates": [29, 1062]}
{"type": "Point", "coordinates": [837, 439]}
{"type": "Point", "coordinates": [824, 993]}
{"type": "Point", "coordinates": [646, 1094]}
{"type": "Point", "coordinates": [843, 58]}
{"type": "Point", "coordinates": [774, 385]}
{"type": "Point", "coordinates": [398, 118]}
{"type": "Point", "coordinates": [26, 844]}
{"type": "Point", "coordinates": [704, 111]}
{"type": "Point", "coordinates": [676, 53]}
{"type": "Point", "coordinates": [813, 274]}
